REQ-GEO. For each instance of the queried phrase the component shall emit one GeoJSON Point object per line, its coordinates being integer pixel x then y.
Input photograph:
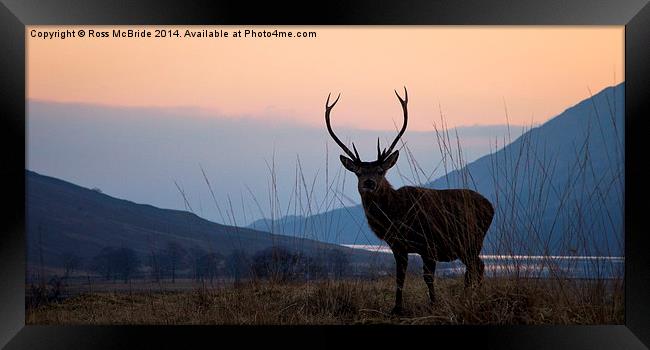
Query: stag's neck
{"type": "Point", "coordinates": [381, 197]}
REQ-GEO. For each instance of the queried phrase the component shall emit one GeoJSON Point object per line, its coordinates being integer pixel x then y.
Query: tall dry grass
{"type": "Point", "coordinates": [499, 301]}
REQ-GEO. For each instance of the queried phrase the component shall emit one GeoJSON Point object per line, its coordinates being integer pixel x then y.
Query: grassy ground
{"type": "Point", "coordinates": [498, 301]}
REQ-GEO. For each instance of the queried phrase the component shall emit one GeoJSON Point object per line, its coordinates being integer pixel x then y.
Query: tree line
{"type": "Point", "coordinates": [174, 261]}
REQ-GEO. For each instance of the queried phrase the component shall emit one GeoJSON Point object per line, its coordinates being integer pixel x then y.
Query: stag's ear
{"type": "Point", "coordinates": [390, 161]}
{"type": "Point", "coordinates": [349, 164]}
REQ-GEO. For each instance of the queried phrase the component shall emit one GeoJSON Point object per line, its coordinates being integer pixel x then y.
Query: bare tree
{"type": "Point", "coordinates": [276, 263]}
{"type": "Point", "coordinates": [155, 265]}
{"type": "Point", "coordinates": [71, 261]}
{"type": "Point", "coordinates": [116, 263]}
{"type": "Point", "coordinates": [338, 262]}
{"type": "Point", "coordinates": [238, 265]}
{"type": "Point", "coordinates": [126, 262]}
{"type": "Point", "coordinates": [313, 267]}
{"type": "Point", "coordinates": [209, 266]}
{"type": "Point", "coordinates": [194, 259]}
{"type": "Point", "coordinates": [101, 263]}
{"type": "Point", "coordinates": [176, 256]}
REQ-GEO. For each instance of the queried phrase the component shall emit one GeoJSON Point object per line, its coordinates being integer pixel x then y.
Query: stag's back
{"type": "Point", "coordinates": [451, 223]}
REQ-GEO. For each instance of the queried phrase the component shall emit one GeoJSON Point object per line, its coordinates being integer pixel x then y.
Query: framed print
{"type": "Point", "coordinates": [454, 173]}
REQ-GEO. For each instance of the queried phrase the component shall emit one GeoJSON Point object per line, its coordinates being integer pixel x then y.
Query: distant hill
{"type": "Point", "coordinates": [558, 188]}
{"type": "Point", "coordinates": [63, 217]}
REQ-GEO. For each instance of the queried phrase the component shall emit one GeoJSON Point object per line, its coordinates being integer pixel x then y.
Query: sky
{"type": "Point", "coordinates": [136, 116]}
{"type": "Point", "coordinates": [471, 75]}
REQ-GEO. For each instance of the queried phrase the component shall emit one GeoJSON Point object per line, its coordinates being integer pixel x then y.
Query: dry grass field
{"type": "Point", "coordinates": [497, 301]}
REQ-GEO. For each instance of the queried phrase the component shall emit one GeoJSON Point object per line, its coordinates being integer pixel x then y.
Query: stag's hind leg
{"type": "Point", "coordinates": [429, 275]}
{"type": "Point", "coordinates": [401, 263]}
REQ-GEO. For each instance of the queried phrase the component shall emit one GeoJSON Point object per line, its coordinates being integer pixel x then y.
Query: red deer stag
{"type": "Point", "coordinates": [439, 225]}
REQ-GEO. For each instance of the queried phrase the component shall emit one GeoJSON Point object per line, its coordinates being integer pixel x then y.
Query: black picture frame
{"type": "Point", "coordinates": [16, 14]}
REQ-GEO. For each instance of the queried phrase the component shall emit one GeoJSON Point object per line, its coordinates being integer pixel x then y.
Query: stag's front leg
{"type": "Point", "coordinates": [401, 262]}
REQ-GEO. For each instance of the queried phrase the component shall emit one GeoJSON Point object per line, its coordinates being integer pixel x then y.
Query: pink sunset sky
{"type": "Point", "coordinates": [467, 72]}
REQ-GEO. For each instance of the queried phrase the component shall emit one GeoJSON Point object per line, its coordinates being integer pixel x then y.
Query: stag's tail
{"type": "Point", "coordinates": [484, 213]}
{"type": "Point", "coordinates": [487, 215]}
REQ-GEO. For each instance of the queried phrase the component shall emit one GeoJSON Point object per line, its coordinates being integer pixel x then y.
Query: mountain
{"type": "Point", "coordinates": [345, 225]}
{"type": "Point", "coordinates": [557, 188]}
{"type": "Point", "coordinates": [63, 217]}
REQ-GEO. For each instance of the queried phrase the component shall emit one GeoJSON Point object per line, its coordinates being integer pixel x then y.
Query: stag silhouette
{"type": "Point", "coordinates": [439, 225]}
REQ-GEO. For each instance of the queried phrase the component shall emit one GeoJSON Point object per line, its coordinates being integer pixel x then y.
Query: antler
{"type": "Point", "coordinates": [328, 109]}
{"type": "Point", "coordinates": [403, 102]}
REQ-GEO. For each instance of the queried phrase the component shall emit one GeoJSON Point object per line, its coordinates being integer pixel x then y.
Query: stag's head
{"type": "Point", "coordinates": [371, 175]}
